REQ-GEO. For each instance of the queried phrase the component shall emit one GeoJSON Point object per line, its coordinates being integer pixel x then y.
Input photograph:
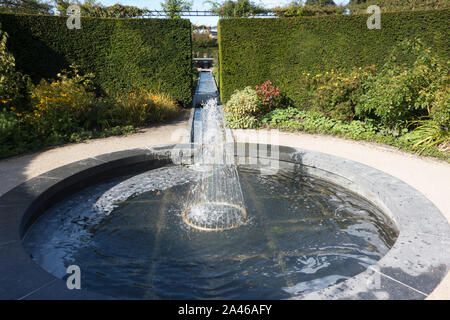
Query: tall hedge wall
{"type": "Point", "coordinates": [123, 54]}
{"type": "Point", "coordinates": [255, 50]}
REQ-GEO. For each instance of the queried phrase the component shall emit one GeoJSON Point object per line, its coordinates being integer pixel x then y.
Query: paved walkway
{"type": "Point", "coordinates": [431, 177]}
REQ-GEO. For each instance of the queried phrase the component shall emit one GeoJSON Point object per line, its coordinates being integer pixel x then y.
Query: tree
{"type": "Point", "coordinates": [172, 7]}
{"type": "Point", "coordinates": [235, 9]}
{"type": "Point", "coordinates": [360, 6]}
{"type": "Point", "coordinates": [25, 6]}
{"type": "Point", "coordinates": [320, 3]}
{"type": "Point", "coordinates": [301, 9]}
{"type": "Point", "coordinates": [90, 8]}
{"type": "Point", "coordinates": [62, 5]}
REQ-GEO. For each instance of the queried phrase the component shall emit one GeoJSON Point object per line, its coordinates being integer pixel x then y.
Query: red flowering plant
{"type": "Point", "coordinates": [270, 96]}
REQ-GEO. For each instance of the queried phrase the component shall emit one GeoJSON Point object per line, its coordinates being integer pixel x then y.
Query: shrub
{"type": "Point", "coordinates": [13, 85]}
{"type": "Point", "coordinates": [297, 10]}
{"type": "Point", "coordinates": [238, 8]}
{"type": "Point", "coordinates": [270, 96]}
{"type": "Point", "coordinates": [336, 94]}
{"type": "Point", "coordinates": [60, 108]}
{"type": "Point", "coordinates": [279, 116]}
{"type": "Point", "coordinates": [358, 7]}
{"type": "Point", "coordinates": [9, 131]}
{"type": "Point", "coordinates": [440, 110]}
{"type": "Point", "coordinates": [243, 108]}
{"type": "Point", "coordinates": [400, 93]}
{"type": "Point", "coordinates": [426, 139]}
{"type": "Point", "coordinates": [140, 108]}
{"type": "Point", "coordinates": [310, 121]}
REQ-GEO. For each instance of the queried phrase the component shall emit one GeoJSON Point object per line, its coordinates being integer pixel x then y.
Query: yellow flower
{"type": "Point", "coordinates": [13, 109]}
{"type": "Point", "coordinates": [144, 105]}
{"type": "Point", "coordinates": [18, 114]}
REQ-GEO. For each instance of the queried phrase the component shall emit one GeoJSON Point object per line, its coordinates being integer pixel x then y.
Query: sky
{"type": "Point", "coordinates": [197, 5]}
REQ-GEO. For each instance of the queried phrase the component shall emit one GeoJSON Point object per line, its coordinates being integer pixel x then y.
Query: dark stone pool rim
{"type": "Point", "coordinates": [413, 267]}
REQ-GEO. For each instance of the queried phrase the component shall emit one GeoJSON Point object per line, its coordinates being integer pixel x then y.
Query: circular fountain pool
{"type": "Point", "coordinates": [128, 237]}
{"type": "Point", "coordinates": [290, 245]}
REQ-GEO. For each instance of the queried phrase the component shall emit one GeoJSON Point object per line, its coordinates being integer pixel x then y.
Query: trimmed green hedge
{"type": "Point", "coordinates": [124, 54]}
{"type": "Point", "coordinates": [252, 51]}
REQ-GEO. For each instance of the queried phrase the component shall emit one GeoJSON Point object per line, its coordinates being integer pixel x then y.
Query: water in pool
{"type": "Point", "coordinates": [127, 236]}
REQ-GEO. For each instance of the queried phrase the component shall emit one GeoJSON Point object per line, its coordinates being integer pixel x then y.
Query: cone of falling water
{"type": "Point", "coordinates": [217, 202]}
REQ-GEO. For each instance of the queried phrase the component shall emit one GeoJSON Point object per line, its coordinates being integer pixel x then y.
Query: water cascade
{"type": "Point", "coordinates": [216, 201]}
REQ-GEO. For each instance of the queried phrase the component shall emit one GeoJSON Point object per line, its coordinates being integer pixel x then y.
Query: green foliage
{"type": "Point", "coordinates": [66, 110]}
{"type": "Point", "coordinates": [13, 85]}
{"type": "Point", "coordinates": [440, 111]}
{"type": "Point", "coordinates": [235, 9]}
{"type": "Point", "coordinates": [254, 50]}
{"type": "Point", "coordinates": [246, 107]}
{"type": "Point", "coordinates": [172, 7]}
{"type": "Point", "coordinates": [427, 139]}
{"type": "Point", "coordinates": [243, 108]}
{"type": "Point", "coordinates": [141, 108]}
{"type": "Point", "coordinates": [401, 93]}
{"type": "Point", "coordinates": [203, 44]}
{"type": "Point", "coordinates": [9, 131]}
{"type": "Point", "coordinates": [60, 107]}
{"type": "Point", "coordinates": [114, 11]}
{"type": "Point", "coordinates": [299, 10]}
{"type": "Point", "coordinates": [335, 94]}
{"type": "Point", "coordinates": [294, 119]}
{"type": "Point", "coordinates": [427, 135]}
{"type": "Point", "coordinates": [8, 78]}
{"type": "Point", "coordinates": [320, 3]}
{"type": "Point", "coordinates": [360, 6]}
{"type": "Point", "coordinates": [25, 6]}
{"type": "Point", "coordinates": [124, 54]}
{"type": "Point", "coordinates": [201, 39]}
